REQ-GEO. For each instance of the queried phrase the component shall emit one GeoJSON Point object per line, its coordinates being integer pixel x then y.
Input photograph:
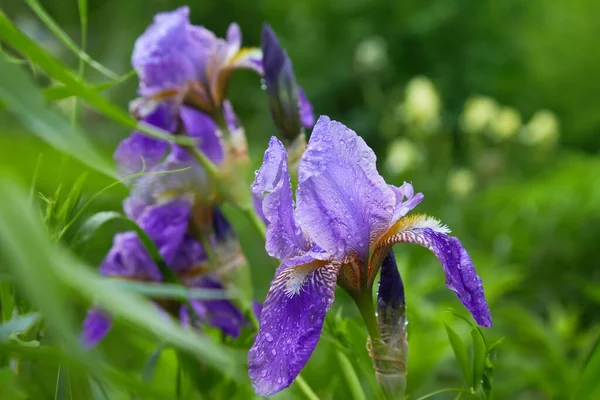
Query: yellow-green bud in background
{"type": "Point", "coordinates": [421, 105]}
{"type": "Point", "coordinates": [461, 182]}
{"type": "Point", "coordinates": [371, 55]}
{"type": "Point", "coordinates": [478, 113]}
{"type": "Point", "coordinates": [542, 129]}
{"type": "Point", "coordinates": [403, 155]}
{"type": "Point", "coordinates": [505, 124]}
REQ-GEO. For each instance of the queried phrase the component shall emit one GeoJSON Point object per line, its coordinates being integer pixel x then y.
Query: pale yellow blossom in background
{"type": "Point", "coordinates": [504, 124]}
{"type": "Point", "coordinates": [461, 182]}
{"type": "Point", "coordinates": [403, 155]}
{"type": "Point", "coordinates": [542, 129]}
{"type": "Point", "coordinates": [479, 111]}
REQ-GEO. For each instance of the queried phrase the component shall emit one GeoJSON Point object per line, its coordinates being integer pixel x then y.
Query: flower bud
{"type": "Point", "coordinates": [478, 113]}
{"type": "Point", "coordinates": [505, 124]}
{"type": "Point", "coordinates": [281, 86]}
{"type": "Point", "coordinates": [371, 55]}
{"type": "Point", "coordinates": [542, 129]}
{"type": "Point", "coordinates": [402, 156]}
{"type": "Point", "coordinates": [422, 103]}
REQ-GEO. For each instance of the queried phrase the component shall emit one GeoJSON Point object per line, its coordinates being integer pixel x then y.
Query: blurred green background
{"type": "Point", "coordinates": [491, 109]}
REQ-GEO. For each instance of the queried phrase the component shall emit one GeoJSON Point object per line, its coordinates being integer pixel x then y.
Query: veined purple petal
{"type": "Point", "coordinates": [461, 276]}
{"type": "Point", "coordinates": [291, 321]}
{"type": "Point", "coordinates": [171, 52]}
{"type": "Point", "coordinates": [95, 327]}
{"type": "Point", "coordinates": [140, 150]}
{"type": "Point", "coordinates": [201, 126]}
{"type": "Point", "coordinates": [403, 206]}
{"type": "Point", "coordinates": [166, 224]}
{"type": "Point", "coordinates": [343, 202]}
{"type": "Point", "coordinates": [272, 182]}
{"type": "Point", "coordinates": [128, 258]}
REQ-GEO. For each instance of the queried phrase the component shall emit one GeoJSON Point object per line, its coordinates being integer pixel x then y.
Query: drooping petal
{"type": "Point", "coordinates": [222, 314]}
{"type": "Point", "coordinates": [291, 321]}
{"type": "Point", "coordinates": [460, 273]}
{"type": "Point", "coordinates": [129, 258]}
{"type": "Point", "coordinates": [171, 52]}
{"type": "Point", "coordinates": [95, 327]}
{"type": "Point", "coordinates": [307, 117]}
{"type": "Point", "coordinates": [140, 150]}
{"type": "Point", "coordinates": [189, 256]}
{"type": "Point", "coordinates": [343, 202]}
{"type": "Point", "coordinates": [403, 206]}
{"type": "Point", "coordinates": [201, 126]}
{"type": "Point", "coordinates": [272, 183]}
{"type": "Point", "coordinates": [166, 225]}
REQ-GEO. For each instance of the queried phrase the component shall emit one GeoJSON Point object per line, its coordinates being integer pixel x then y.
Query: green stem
{"type": "Point", "coordinates": [351, 377]}
{"type": "Point", "coordinates": [305, 388]}
{"type": "Point", "coordinates": [364, 302]}
{"type": "Point", "coordinates": [255, 221]}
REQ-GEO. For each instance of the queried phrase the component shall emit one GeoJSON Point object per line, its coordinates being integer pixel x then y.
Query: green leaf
{"type": "Point", "coordinates": [59, 71]}
{"type": "Point", "coordinates": [589, 384]}
{"type": "Point", "coordinates": [96, 221]}
{"type": "Point", "coordinates": [7, 301]}
{"type": "Point", "coordinates": [23, 98]}
{"type": "Point", "coordinates": [460, 352]}
{"type": "Point", "coordinates": [45, 274]}
{"type": "Point", "coordinates": [18, 325]}
{"type": "Point", "coordinates": [66, 40]}
{"type": "Point", "coordinates": [60, 92]}
{"type": "Point", "coordinates": [9, 389]}
{"type": "Point", "coordinates": [63, 391]}
{"type": "Point", "coordinates": [351, 377]}
{"type": "Point", "coordinates": [172, 291]}
{"type": "Point", "coordinates": [479, 357]}
{"type": "Point", "coordinates": [150, 365]}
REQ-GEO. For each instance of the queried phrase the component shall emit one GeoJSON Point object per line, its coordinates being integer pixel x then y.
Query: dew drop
{"type": "Point", "coordinates": [274, 352]}
{"type": "Point", "coordinates": [264, 373]}
{"type": "Point", "coordinates": [269, 337]}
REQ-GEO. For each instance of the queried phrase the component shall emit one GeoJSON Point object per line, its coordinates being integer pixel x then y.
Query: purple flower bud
{"type": "Point", "coordinates": [289, 107]}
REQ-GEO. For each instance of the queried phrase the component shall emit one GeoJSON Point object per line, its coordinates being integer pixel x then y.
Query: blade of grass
{"type": "Point", "coordinates": [67, 41]}
{"type": "Point", "coordinates": [45, 273]}
{"type": "Point", "coordinates": [22, 97]}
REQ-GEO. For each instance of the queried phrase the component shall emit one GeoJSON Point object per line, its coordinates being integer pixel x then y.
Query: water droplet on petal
{"type": "Point", "coordinates": [268, 337]}
{"type": "Point", "coordinates": [274, 352]}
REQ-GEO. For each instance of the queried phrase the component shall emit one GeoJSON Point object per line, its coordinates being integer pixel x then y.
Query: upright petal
{"type": "Point", "coordinates": [461, 276]}
{"type": "Point", "coordinates": [403, 206]}
{"type": "Point", "coordinates": [128, 258]}
{"type": "Point", "coordinates": [140, 150]}
{"type": "Point", "coordinates": [343, 202]}
{"type": "Point", "coordinates": [291, 321]}
{"type": "Point", "coordinates": [95, 327]}
{"type": "Point", "coordinates": [166, 224]}
{"type": "Point", "coordinates": [272, 183]}
{"type": "Point", "coordinates": [171, 52]}
{"type": "Point", "coordinates": [220, 314]}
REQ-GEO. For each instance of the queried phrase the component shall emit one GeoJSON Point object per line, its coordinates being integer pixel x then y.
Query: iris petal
{"type": "Point", "coordinates": [291, 321]}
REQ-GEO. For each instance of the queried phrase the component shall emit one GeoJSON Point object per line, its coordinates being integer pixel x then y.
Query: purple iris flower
{"type": "Point", "coordinates": [167, 225]}
{"type": "Point", "coordinates": [345, 221]}
{"type": "Point", "coordinates": [289, 106]}
{"type": "Point", "coordinates": [175, 59]}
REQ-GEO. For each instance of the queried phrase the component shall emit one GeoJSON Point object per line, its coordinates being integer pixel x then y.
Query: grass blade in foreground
{"type": "Point", "coordinates": [19, 228]}
{"type": "Point", "coordinates": [24, 99]}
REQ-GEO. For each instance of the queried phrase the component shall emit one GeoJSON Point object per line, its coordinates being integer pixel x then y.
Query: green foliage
{"type": "Point", "coordinates": [528, 215]}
